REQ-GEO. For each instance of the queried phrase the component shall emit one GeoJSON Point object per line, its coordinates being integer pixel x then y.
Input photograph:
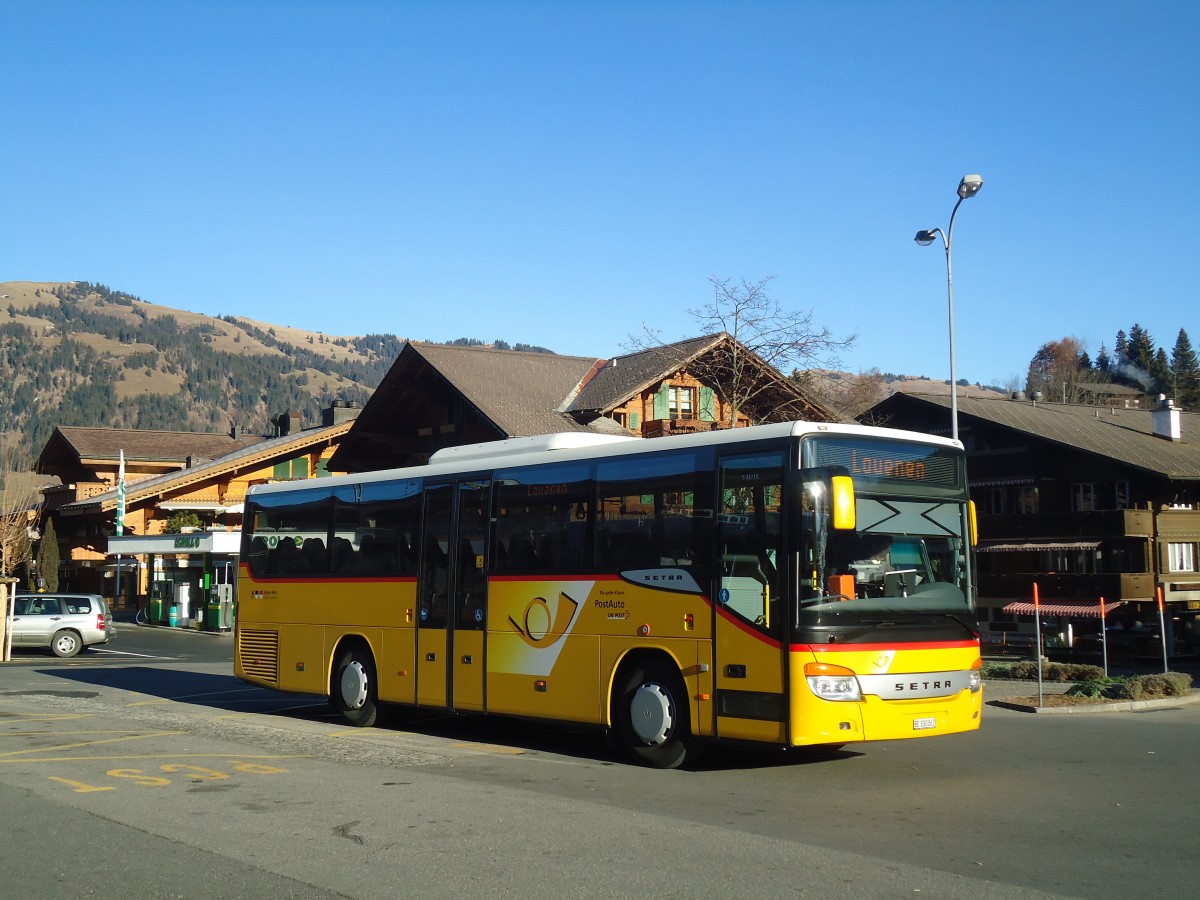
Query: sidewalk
{"type": "Point", "coordinates": [1002, 692]}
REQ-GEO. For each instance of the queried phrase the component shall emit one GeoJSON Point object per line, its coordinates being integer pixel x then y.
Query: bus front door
{"type": "Point", "coordinates": [750, 658]}
{"type": "Point", "coordinates": [453, 596]}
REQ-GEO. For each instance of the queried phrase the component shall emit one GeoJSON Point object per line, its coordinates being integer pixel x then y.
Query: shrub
{"type": "Point", "coordinates": [1024, 669]}
{"type": "Point", "coordinates": [1053, 671]}
{"type": "Point", "coordinates": [996, 670]}
{"type": "Point", "coordinates": [1096, 687]}
{"type": "Point", "coordinates": [1151, 687]}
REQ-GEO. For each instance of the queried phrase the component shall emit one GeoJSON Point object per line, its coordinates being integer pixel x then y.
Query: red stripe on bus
{"type": "Point", "coordinates": [871, 648]}
{"type": "Point", "coordinates": [774, 643]}
{"type": "Point", "coordinates": [543, 578]}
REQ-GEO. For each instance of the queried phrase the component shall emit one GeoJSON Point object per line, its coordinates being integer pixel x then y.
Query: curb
{"type": "Point", "coordinates": [228, 631]}
{"type": "Point", "coordinates": [1109, 707]}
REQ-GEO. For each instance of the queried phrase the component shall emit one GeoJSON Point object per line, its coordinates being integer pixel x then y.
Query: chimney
{"type": "Point", "coordinates": [233, 431]}
{"type": "Point", "coordinates": [340, 411]}
{"type": "Point", "coordinates": [1167, 420]}
{"type": "Point", "coordinates": [287, 423]}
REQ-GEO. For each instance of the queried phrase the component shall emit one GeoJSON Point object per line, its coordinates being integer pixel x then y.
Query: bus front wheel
{"type": "Point", "coordinates": [651, 719]}
{"type": "Point", "coordinates": [353, 689]}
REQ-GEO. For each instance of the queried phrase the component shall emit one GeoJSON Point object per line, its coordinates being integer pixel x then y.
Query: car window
{"type": "Point", "coordinates": [22, 607]}
{"type": "Point", "coordinates": [77, 605]}
{"type": "Point", "coordinates": [42, 606]}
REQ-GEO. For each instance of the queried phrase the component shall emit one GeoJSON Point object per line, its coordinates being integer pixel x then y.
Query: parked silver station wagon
{"type": "Point", "coordinates": [66, 623]}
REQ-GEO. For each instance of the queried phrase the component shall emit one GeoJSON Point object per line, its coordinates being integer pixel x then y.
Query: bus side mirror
{"type": "Point", "coordinates": [842, 497]}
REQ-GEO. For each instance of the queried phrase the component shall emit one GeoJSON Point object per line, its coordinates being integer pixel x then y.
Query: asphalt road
{"type": "Point", "coordinates": [159, 775]}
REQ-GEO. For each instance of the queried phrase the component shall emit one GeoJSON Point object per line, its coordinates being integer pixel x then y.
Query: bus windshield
{"type": "Point", "coordinates": [908, 551]}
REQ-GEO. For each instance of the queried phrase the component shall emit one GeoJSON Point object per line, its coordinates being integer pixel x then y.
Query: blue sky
{"type": "Point", "coordinates": [561, 173]}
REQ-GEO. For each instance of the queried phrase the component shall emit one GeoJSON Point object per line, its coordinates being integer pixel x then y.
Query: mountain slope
{"type": "Point", "coordinates": [77, 353]}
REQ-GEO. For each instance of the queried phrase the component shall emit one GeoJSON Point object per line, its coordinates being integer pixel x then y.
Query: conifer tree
{"type": "Point", "coordinates": [1160, 370]}
{"type": "Point", "coordinates": [48, 558]}
{"type": "Point", "coordinates": [1121, 350]}
{"type": "Point", "coordinates": [1185, 372]}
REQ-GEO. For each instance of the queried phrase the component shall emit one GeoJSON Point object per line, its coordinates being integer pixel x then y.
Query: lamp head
{"type": "Point", "coordinates": [969, 186]}
{"type": "Point", "coordinates": [925, 238]}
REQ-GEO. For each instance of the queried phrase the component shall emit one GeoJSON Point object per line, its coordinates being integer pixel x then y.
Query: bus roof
{"type": "Point", "coordinates": [523, 451]}
{"type": "Point", "coordinates": [568, 447]}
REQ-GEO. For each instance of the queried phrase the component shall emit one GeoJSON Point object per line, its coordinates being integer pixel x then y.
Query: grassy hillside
{"type": "Point", "coordinates": [80, 354]}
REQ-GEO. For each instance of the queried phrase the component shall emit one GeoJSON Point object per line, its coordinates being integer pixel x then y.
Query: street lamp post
{"type": "Point", "coordinates": [968, 187]}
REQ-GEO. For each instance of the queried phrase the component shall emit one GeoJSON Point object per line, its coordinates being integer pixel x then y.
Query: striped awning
{"type": "Point", "coordinates": [1017, 546]}
{"type": "Point", "coordinates": [1065, 610]}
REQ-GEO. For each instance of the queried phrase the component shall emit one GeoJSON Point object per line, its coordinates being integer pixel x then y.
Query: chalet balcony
{"type": "Point", "coordinates": [667, 427]}
{"type": "Point", "coordinates": [1095, 525]}
{"type": "Point", "coordinates": [1059, 587]}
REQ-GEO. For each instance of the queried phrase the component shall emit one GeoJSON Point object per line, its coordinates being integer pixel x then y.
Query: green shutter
{"type": "Point", "coordinates": [635, 421]}
{"type": "Point", "coordinates": [300, 467]}
{"type": "Point", "coordinates": [322, 468]}
{"type": "Point", "coordinates": [662, 403]}
{"type": "Point", "coordinates": [708, 405]}
{"type": "Point", "coordinates": [283, 470]}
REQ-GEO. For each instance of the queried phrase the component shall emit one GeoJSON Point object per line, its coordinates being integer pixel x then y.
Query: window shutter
{"type": "Point", "coordinates": [283, 470]}
{"type": "Point", "coordinates": [300, 467]}
{"type": "Point", "coordinates": [662, 403]}
{"type": "Point", "coordinates": [708, 405]}
{"type": "Point", "coordinates": [635, 421]}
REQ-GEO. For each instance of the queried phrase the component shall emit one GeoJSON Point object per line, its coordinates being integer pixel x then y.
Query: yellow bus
{"type": "Point", "coordinates": [791, 584]}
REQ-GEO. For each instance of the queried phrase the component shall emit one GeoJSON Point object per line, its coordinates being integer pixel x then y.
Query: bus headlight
{"type": "Point", "coordinates": [976, 682]}
{"type": "Point", "coordinates": [832, 682]}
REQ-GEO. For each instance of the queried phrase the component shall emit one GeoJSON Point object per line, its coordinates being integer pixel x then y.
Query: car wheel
{"type": "Point", "coordinates": [353, 691]}
{"type": "Point", "coordinates": [66, 644]}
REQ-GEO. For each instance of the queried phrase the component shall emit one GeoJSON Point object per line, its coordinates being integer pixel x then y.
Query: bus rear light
{"type": "Point", "coordinates": [831, 682]}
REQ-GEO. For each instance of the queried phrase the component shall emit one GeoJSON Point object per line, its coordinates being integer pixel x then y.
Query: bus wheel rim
{"type": "Point", "coordinates": [652, 714]}
{"type": "Point", "coordinates": [354, 685]}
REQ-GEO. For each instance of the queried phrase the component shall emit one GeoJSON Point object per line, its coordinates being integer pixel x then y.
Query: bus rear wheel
{"type": "Point", "coordinates": [353, 691]}
{"type": "Point", "coordinates": [650, 719]}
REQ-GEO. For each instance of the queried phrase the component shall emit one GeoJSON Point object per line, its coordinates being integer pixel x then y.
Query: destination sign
{"type": "Point", "coordinates": [887, 462]}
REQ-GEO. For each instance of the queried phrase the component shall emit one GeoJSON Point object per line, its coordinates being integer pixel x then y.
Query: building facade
{"type": "Point", "coordinates": [1089, 503]}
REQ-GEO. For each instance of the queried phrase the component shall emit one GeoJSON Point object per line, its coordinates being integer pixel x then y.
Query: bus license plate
{"type": "Point", "coordinates": [921, 724]}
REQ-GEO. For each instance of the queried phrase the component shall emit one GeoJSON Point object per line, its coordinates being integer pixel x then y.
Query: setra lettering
{"type": "Point", "coordinates": [940, 684]}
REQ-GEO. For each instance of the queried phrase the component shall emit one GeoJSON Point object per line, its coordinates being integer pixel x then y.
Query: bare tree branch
{"type": "Point", "coordinates": [18, 502]}
{"type": "Point", "coordinates": [767, 340]}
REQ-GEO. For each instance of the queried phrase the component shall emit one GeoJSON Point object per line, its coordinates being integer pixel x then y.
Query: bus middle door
{"type": "Point", "coordinates": [453, 596]}
{"type": "Point", "coordinates": [750, 653]}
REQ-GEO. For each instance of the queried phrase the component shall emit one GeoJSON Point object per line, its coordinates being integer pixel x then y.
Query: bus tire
{"type": "Point", "coordinates": [353, 688]}
{"type": "Point", "coordinates": [650, 716]}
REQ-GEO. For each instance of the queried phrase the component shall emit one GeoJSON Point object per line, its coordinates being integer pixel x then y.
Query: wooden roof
{"type": "Point", "coordinates": [70, 447]}
{"type": "Point", "coordinates": [1123, 435]}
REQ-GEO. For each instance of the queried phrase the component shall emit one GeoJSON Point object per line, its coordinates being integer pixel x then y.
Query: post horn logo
{"type": "Point", "coordinates": [539, 627]}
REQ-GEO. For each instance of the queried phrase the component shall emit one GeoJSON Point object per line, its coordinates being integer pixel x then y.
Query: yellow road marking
{"type": "Point", "coordinates": [78, 744]}
{"type": "Point", "coordinates": [177, 755]}
{"type": "Point", "coordinates": [4, 734]}
{"type": "Point", "coordinates": [492, 748]}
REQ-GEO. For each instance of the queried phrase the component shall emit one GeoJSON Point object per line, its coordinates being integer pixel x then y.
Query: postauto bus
{"type": "Point", "coordinates": [791, 584]}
